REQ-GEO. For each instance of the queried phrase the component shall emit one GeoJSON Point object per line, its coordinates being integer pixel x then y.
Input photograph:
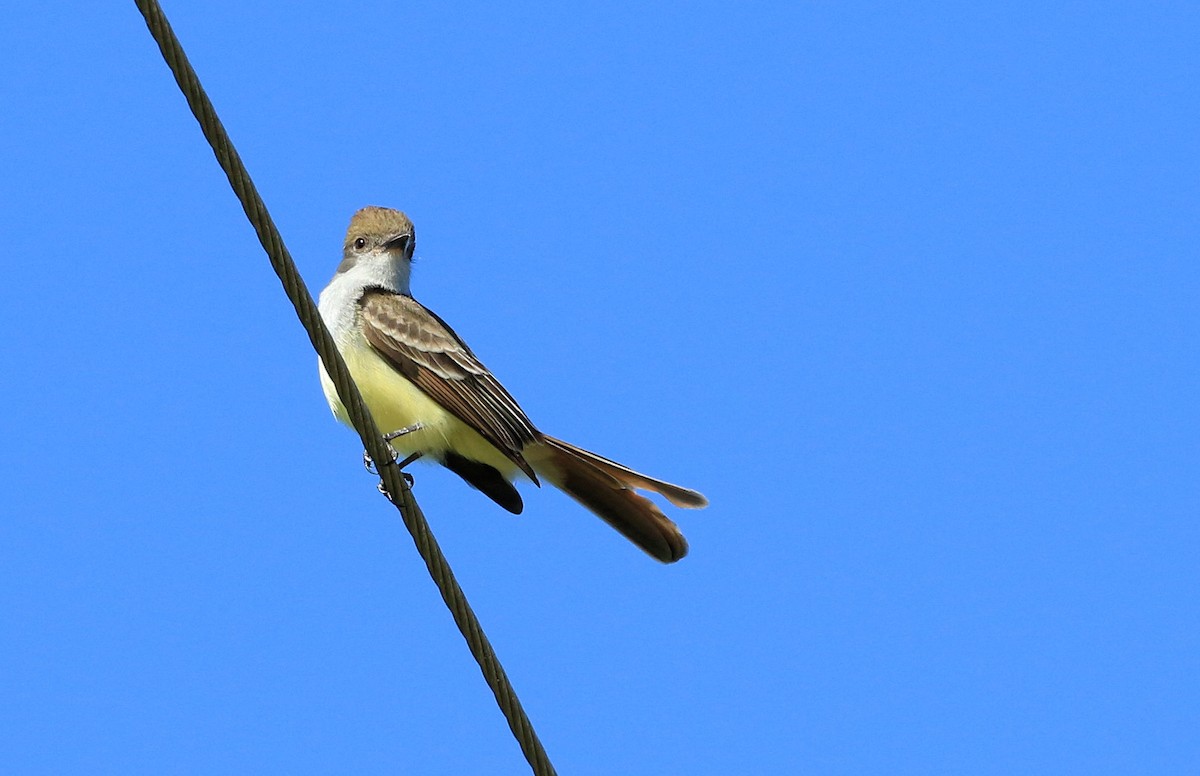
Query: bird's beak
{"type": "Point", "coordinates": [399, 241]}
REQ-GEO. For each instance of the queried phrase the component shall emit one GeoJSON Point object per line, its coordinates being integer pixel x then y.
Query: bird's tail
{"type": "Point", "coordinates": [607, 489]}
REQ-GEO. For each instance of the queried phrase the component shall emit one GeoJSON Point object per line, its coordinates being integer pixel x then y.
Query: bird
{"type": "Point", "coordinates": [439, 403]}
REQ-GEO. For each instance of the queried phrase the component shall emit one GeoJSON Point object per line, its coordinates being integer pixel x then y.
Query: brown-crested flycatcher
{"type": "Point", "coordinates": [424, 385]}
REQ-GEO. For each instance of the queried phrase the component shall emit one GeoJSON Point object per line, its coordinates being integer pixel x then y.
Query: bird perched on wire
{"type": "Point", "coordinates": [440, 403]}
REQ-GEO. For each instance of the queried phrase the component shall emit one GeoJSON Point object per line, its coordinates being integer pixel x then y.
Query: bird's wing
{"type": "Point", "coordinates": [428, 352]}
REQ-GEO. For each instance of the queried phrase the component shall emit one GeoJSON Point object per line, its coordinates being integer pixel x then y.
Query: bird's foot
{"type": "Point", "coordinates": [369, 463]}
{"type": "Point", "coordinates": [408, 478]}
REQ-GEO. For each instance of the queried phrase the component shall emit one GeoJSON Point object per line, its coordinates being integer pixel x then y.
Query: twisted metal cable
{"type": "Point", "coordinates": [373, 442]}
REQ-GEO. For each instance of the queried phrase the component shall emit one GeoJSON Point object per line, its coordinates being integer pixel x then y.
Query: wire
{"type": "Point", "coordinates": [373, 442]}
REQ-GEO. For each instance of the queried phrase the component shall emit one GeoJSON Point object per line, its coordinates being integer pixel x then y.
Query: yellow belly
{"type": "Point", "coordinates": [396, 403]}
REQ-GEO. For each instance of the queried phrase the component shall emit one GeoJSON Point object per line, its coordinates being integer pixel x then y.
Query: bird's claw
{"type": "Point", "coordinates": [369, 462]}
{"type": "Point", "coordinates": [408, 480]}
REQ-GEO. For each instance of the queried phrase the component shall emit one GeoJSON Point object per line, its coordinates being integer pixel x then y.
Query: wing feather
{"type": "Point", "coordinates": [428, 352]}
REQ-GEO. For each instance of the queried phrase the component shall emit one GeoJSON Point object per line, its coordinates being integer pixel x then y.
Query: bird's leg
{"type": "Point", "coordinates": [369, 464]}
{"type": "Point", "coordinates": [407, 477]}
{"type": "Point", "coordinates": [388, 437]}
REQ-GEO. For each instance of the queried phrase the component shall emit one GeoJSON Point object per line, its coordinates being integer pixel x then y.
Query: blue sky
{"type": "Point", "coordinates": [910, 292]}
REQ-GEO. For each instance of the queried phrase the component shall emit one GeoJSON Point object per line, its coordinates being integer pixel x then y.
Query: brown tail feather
{"type": "Point", "coordinates": [680, 497]}
{"type": "Point", "coordinates": [593, 482]}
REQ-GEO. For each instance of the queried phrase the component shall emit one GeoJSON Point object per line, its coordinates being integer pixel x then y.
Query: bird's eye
{"type": "Point", "coordinates": [360, 243]}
